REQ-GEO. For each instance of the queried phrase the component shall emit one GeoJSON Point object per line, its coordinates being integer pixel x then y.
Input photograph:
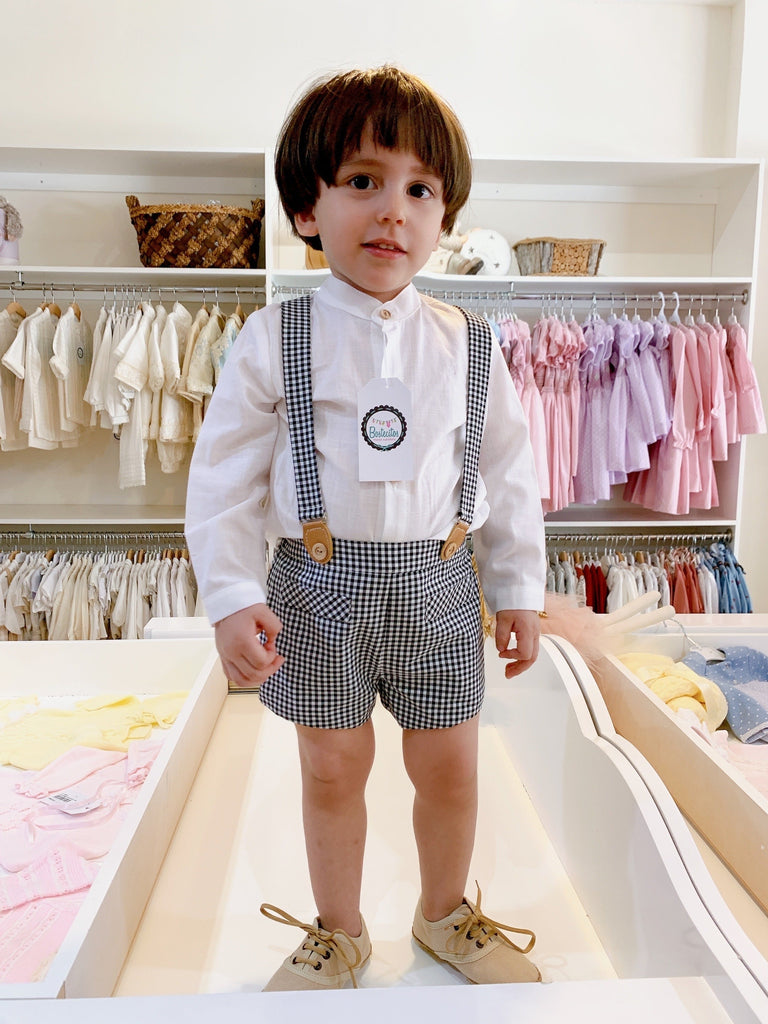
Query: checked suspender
{"type": "Point", "coordinates": [297, 375]}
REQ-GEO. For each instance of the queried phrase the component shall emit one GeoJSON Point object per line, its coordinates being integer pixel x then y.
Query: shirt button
{"type": "Point", "coordinates": [384, 314]}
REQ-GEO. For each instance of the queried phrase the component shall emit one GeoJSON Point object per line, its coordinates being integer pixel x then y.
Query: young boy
{"type": "Point", "coordinates": [370, 429]}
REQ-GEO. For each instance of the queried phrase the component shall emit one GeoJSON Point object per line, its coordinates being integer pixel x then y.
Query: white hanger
{"type": "Point", "coordinates": [674, 316]}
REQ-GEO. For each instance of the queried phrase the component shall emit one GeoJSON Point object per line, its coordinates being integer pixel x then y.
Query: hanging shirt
{"type": "Point", "coordinates": [11, 437]}
{"type": "Point", "coordinates": [71, 364]}
{"type": "Point", "coordinates": [241, 485]}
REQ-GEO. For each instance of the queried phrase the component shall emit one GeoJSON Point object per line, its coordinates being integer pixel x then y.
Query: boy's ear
{"type": "Point", "coordinates": [306, 224]}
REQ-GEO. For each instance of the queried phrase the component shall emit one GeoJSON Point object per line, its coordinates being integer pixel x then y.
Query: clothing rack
{"type": "Point", "coordinates": [628, 299]}
{"type": "Point", "coordinates": [90, 539]}
{"type": "Point", "coordinates": [133, 289]}
{"type": "Point", "coordinates": [663, 538]}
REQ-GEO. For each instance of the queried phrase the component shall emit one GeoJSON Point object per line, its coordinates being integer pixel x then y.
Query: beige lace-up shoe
{"type": "Point", "coordinates": [474, 945]}
{"type": "Point", "coordinates": [323, 960]}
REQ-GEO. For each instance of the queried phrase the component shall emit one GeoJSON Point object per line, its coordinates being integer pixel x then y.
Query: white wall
{"type": "Point", "coordinates": [544, 77]}
{"type": "Point", "coordinates": [528, 77]}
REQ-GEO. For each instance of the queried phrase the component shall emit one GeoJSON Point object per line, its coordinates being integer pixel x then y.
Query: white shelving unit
{"type": "Point", "coordinates": [688, 226]}
{"type": "Point", "coordinates": [78, 235]}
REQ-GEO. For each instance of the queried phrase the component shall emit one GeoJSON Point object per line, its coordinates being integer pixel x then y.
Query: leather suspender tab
{"type": "Point", "coordinates": [318, 540]}
{"type": "Point", "coordinates": [454, 540]}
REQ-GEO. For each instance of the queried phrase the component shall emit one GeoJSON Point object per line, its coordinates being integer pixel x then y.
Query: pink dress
{"type": "Point", "coordinates": [517, 335]}
{"type": "Point", "coordinates": [665, 486]}
{"type": "Point", "coordinates": [751, 418]}
{"type": "Point", "coordinates": [591, 481]}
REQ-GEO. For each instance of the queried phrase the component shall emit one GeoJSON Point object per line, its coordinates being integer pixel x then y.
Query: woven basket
{"type": "Point", "coordinates": [565, 256]}
{"type": "Point", "coordinates": [180, 235]}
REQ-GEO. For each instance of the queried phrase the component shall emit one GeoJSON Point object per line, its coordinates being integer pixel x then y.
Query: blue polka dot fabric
{"type": "Point", "coordinates": [743, 678]}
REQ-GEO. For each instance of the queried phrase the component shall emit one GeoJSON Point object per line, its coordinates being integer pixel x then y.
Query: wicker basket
{"type": "Point", "coordinates": [564, 256]}
{"type": "Point", "coordinates": [181, 235]}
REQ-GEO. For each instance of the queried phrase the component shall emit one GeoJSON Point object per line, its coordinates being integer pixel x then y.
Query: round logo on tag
{"type": "Point", "coordinates": [384, 427]}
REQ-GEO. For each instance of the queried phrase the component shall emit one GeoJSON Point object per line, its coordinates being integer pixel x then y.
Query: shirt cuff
{"type": "Point", "coordinates": [232, 599]}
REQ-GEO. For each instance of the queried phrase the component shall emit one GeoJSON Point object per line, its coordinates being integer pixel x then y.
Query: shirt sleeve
{"type": "Point", "coordinates": [228, 486]}
{"type": "Point", "coordinates": [509, 546]}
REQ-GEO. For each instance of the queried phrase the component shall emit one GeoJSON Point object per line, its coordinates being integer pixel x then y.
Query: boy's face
{"type": "Point", "coordinates": [380, 219]}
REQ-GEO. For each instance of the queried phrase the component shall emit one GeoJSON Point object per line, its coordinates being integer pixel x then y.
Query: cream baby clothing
{"type": "Point", "coordinates": [29, 358]}
{"type": "Point", "coordinates": [199, 381]}
{"type": "Point", "coordinates": [71, 365]}
{"type": "Point", "coordinates": [200, 374]}
{"type": "Point", "coordinates": [117, 398]}
{"type": "Point", "coordinates": [156, 372]}
{"type": "Point", "coordinates": [220, 349]}
{"type": "Point", "coordinates": [98, 335]}
{"type": "Point", "coordinates": [96, 391]}
{"type": "Point", "coordinates": [132, 375]}
{"type": "Point", "coordinates": [175, 432]}
{"type": "Point", "coordinates": [198, 324]}
{"type": "Point", "coordinates": [11, 437]}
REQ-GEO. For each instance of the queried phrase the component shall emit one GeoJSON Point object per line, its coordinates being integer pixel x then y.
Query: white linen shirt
{"type": "Point", "coordinates": [241, 489]}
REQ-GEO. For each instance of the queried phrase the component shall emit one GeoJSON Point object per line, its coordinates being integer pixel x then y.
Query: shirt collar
{"type": "Point", "coordinates": [340, 295]}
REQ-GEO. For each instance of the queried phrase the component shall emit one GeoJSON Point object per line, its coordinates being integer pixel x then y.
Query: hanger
{"type": "Point", "coordinates": [14, 308]}
{"type": "Point", "coordinates": [74, 306]}
{"type": "Point", "coordinates": [660, 315]}
{"type": "Point", "coordinates": [674, 316]}
{"type": "Point", "coordinates": [53, 308]}
{"type": "Point", "coordinates": [239, 309]}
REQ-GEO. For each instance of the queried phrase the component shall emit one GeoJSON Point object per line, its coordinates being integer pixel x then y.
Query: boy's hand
{"type": "Point", "coordinates": [245, 659]}
{"type": "Point", "coordinates": [527, 628]}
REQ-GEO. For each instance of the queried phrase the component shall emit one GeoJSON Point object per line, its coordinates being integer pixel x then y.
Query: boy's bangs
{"type": "Point", "coordinates": [391, 128]}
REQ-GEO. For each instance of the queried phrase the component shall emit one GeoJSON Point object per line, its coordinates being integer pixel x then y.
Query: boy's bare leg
{"type": "Point", "coordinates": [335, 764]}
{"type": "Point", "coordinates": [442, 765]}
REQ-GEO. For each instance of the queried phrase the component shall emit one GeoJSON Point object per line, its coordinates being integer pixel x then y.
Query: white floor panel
{"type": "Point", "coordinates": [249, 849]}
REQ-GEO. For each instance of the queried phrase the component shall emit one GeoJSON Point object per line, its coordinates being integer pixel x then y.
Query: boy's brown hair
{"type": "Point", "coordinates": [327, 124]}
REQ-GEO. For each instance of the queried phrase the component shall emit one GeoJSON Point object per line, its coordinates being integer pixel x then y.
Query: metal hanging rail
{"type": "Point", "coordinates": [120, 290]}
{"type": "Point", "coordinates": [643, 538]}
{"type": "Point", "coordinates": [89, 538]}
{"type": "Point", "coordinates": [555, 296]}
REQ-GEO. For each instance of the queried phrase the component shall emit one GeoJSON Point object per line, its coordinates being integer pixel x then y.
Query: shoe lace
{"type": "Point", "coordinates": [319, 943]}
{"type": "Point", "coordinates": [477, 927]}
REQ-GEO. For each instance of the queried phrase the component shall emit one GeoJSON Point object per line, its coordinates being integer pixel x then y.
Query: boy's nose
{"type": "Point", "coordinates": [392, 207]}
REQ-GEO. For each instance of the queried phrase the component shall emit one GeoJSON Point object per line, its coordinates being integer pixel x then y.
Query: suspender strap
{"type": "Point", "coordinates": [479, 366]}
{"type": "Point", "coordinates": [297, 375]}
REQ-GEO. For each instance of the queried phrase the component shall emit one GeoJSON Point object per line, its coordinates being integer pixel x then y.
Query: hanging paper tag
{"type": "Point", "coordinates": [385, 442]}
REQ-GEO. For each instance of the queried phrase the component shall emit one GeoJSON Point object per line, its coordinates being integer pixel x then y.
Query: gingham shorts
{"type": "Point", "coordinates": [379, 618]}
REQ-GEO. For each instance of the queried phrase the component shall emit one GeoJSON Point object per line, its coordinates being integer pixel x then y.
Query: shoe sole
{"type": "Point", "coordinates": [436, 956]}
{"type": "Point", "coordinates": [439, 959]}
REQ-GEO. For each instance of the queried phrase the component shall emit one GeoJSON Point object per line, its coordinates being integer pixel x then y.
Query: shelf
{"type": "Point", "coordinates": [34, 517]}
{"type": "Point", "coordinates": [164, 277]}
{"type": "Point", "coordinates": [181, 171]}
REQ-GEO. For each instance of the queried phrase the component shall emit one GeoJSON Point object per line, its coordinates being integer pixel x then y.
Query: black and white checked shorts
{"type": "Point", "coordinates": [379, 618]}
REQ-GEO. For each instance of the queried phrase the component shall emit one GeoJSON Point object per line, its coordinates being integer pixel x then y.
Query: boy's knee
{"type": "Point", "coordinates": [329, 768]}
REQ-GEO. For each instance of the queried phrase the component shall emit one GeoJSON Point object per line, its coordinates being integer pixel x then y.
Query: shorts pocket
{"type": "Point", "coordinates": [441, 602]}
{"type": "Point", "coordinates": [319, 603]}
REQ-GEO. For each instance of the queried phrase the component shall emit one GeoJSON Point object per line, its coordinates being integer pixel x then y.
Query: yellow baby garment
{"type": "Point", "coordinates": [679, 686]}
{"type": "Point", "coordinates": [107, 722]}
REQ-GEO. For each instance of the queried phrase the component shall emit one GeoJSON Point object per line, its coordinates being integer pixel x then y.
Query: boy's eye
{"type": "Point", "coordinates": [420, 191]}
{"type": "Point", "coordinates": [361, 182]}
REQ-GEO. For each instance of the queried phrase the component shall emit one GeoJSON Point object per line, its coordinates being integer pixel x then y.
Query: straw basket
{"type": "Point", "coordinates": [205, 235]}
{"type": "Point", "coordinates": [564, 256]}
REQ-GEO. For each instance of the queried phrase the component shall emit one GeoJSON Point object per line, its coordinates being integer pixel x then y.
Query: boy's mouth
{"type": "Point", "coordinates": [383, 245]}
